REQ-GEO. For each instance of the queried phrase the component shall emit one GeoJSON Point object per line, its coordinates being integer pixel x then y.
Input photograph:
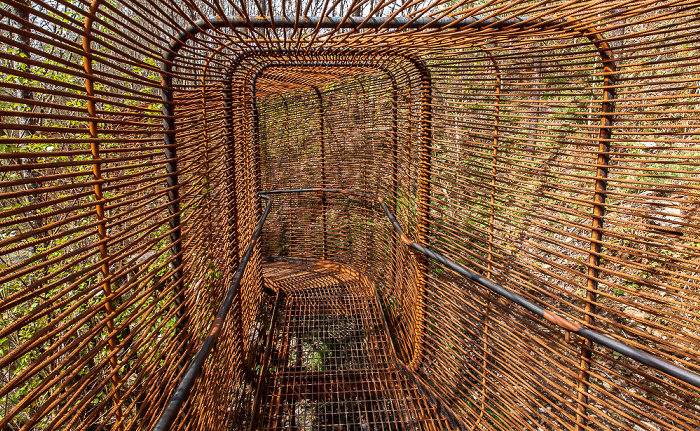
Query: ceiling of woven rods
{"type": "Point", "coordinates": [485, 215]}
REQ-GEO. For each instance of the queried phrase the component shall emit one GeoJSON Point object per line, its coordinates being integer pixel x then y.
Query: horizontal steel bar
{"type": "Point", "coordinates": [621, 347]}
{"type": "Point", "coordinates": [353, 22]}
{"type": "Point", "coordinates": [178, 398]}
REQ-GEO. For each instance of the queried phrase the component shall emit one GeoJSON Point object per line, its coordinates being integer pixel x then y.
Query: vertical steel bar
{"type": "Point", "coordinates": [424, 186]}
{"type": "Point", "coordinates": [287, 137]}
{"type": "Point", "coordinates": [173, 186]}
{"type": "Point", "coordinates": [395, 245]}
{"type": "Point", "coordinates": [100, 210]}
{"type": "Point", "coordinates": [365, 97]}
{"type": "Point", "coordinates": [494, 158]}
{"type": "Point", "coordinates": [322, 144]}
{"type": "Point", "coordinates": [230, 163]}
{"type": "Point", "coordinates": [257, 157]}
{"type": "Point", "coordinates": [602, 163]}
{"type": "Point", "coordinates": [394, 140]}
{"type": "Point", "coordinates": [207, 176]}
{"type": "Point", "coordinates": [233, 237]}
{"type": "Point", "coordinates": [492, 217]}
{"type": "Point", "coordinates": [255, 413]}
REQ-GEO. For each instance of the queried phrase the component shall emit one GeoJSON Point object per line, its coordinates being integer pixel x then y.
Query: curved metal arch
{"type": "Point", "coordinates": [233, 66]}
{"type": "Point", "coordinates": [394, 131]}
{"type": "Point", "coordinates": [418, 63]}
{"type": "Point", "coordinates": [356, 23]}
{"type": "Point", "coordinates": [424, 174]}
{"type": "Point", "coordinates": [609, 71]}
{"type": "Point", "coordinates": [424, 148]}
{"type": "Point", "coordinates": [229, 124]}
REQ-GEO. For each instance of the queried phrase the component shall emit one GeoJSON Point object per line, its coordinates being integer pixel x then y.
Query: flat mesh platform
{"type": "Point", "coordinates": [331, 367]}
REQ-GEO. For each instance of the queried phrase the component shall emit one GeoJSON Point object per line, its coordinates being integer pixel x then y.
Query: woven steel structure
{"type": "Point", "coordinates": [349, 215]}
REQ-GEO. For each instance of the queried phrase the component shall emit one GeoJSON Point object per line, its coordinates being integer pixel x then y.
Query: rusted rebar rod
{"type": "Point", "coordinates": [180, 395]}
{"type": "Point", "coordinates": [621, 347]}
{"type": "Point", "coordinates": [93, 126]}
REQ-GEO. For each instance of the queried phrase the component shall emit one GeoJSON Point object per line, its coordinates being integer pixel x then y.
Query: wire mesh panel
{"type": "Point", "coordinates": [549, 147]}
{"type": "Point", "coordinates": [332, 365]}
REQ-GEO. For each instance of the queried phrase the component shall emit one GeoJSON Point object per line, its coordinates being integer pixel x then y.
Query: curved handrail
{"type": "Point", "coordinates": [182, 392]}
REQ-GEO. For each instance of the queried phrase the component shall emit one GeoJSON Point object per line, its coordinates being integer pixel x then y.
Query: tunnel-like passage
{"type": "Point", "coordinates": [349, 215]}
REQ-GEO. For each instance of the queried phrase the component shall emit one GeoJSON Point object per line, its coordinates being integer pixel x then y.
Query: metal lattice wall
{"type": "Point", "coordinates": [551, 147]}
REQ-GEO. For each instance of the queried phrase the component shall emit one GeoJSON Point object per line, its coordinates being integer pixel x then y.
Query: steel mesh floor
{"type": "Point", "coordinates": [331, 367]}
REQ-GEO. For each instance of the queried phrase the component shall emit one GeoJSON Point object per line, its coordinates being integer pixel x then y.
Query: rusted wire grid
{"type": "Point", "coordinates": [532, 307]}
{"type": "Point", "coordinates": [319, 311]}
{"type": "Point", "coordinates": [93, 310]}
{"type": "Point", "coordinates": [93, 332]}
{"type": "Point", "coordinates": [628, 201]}
{"type": "Point", "coordinates": [170, 414]}
{"type": "Point", "coordinates": [562, 323]}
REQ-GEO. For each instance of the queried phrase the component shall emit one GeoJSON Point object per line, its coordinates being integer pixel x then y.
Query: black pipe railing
{"type": "Point", "coordinates": [178, 398]}
{"type": "Point", "coordinates": [620, 347]}
{"type": "Point", "coordinates": [182, 392]}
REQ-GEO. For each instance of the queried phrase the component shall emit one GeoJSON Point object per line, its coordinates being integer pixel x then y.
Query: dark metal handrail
{"type": "Point", "coordinates": [182, 392]}
{"type": "Point", "coordinates": [589, 334]}
{"type": "Point", "coordinates": [172, 409]}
